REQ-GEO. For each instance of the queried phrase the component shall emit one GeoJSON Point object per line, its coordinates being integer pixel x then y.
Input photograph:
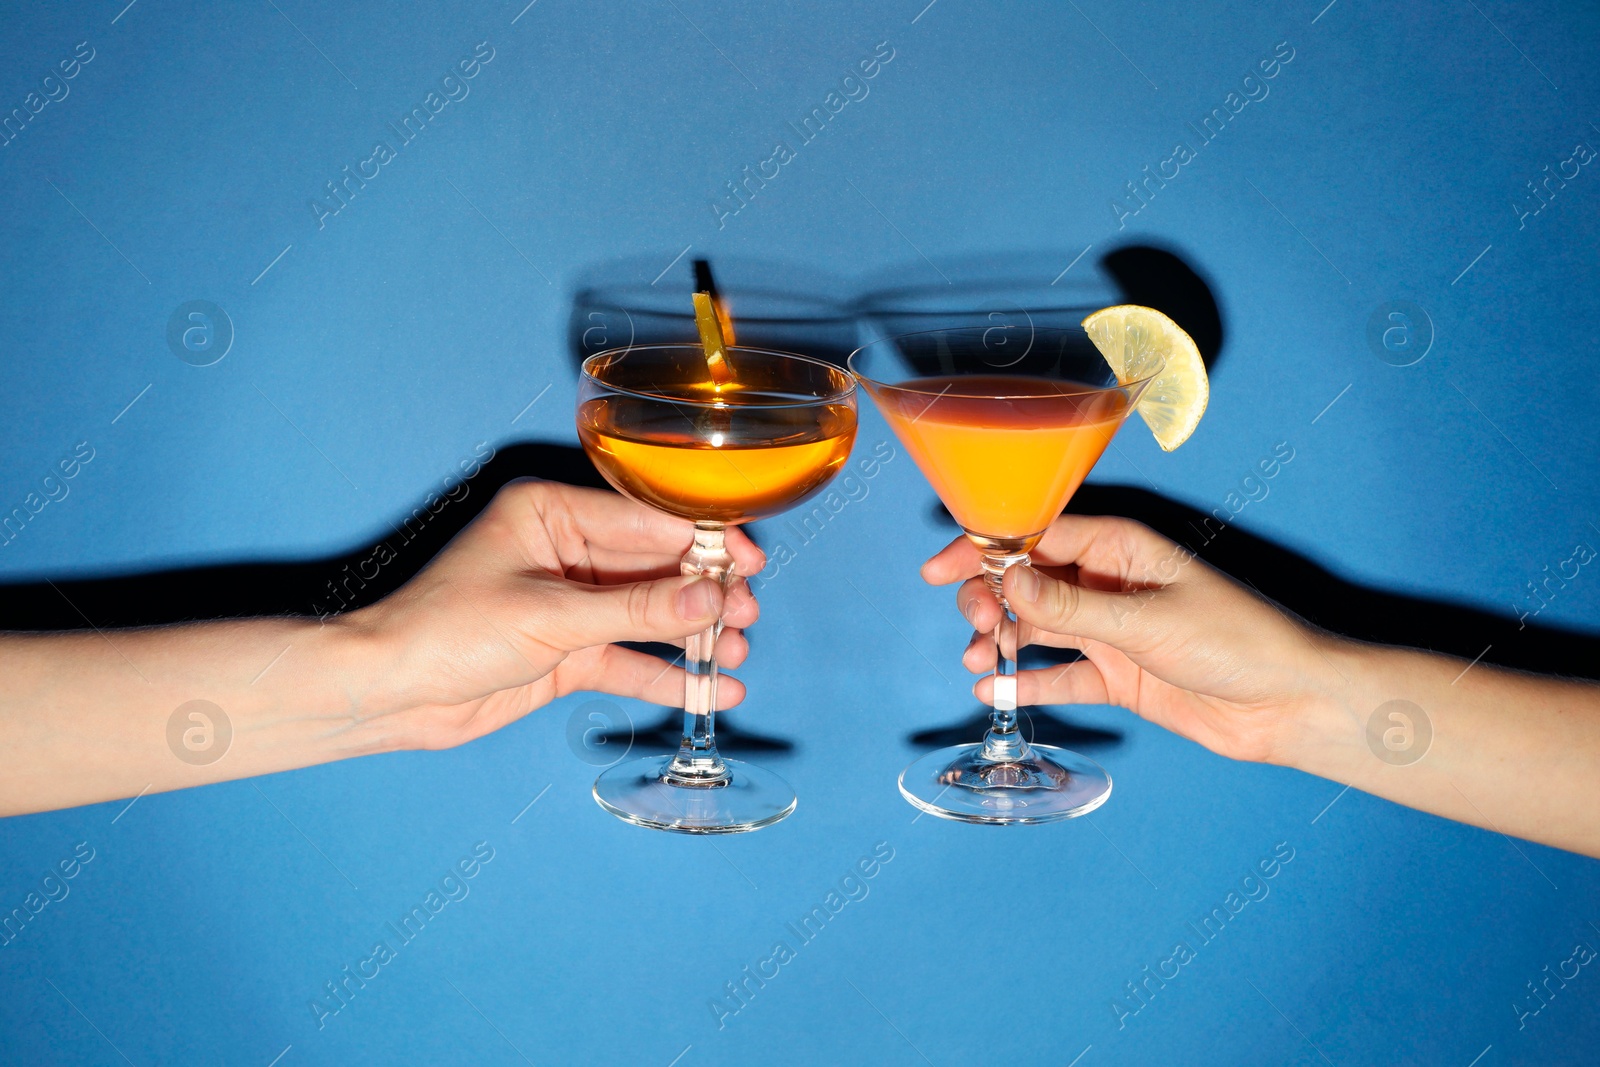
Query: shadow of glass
{"type": "Point", "coordinates": [987, 304]}
{"type": "Point", "coordinates": [614, 309]}
{"type": "Point", "coordinates": [1012, 292]}
{"type": "Point", "coordinates": [1039, 726]}
{"type": "Point", "coordinates": [665, 734]}
{"type": "Point", "coordinates": [1162, 279]}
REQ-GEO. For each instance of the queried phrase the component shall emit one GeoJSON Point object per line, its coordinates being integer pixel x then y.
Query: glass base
{"type": "Point", "coordinates": [1046, 785]}
{"type": "Point", "coordinates": [749, 799]}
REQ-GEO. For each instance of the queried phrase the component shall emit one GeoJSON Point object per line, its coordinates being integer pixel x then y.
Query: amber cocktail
{"type": "Point", "coordinates": [668, 434]}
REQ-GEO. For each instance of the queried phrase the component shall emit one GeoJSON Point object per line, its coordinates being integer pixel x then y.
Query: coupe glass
{"type": "Point", "coordinates": [1005, 422]}
{"type": "Point", "coordinates": [662, 432]}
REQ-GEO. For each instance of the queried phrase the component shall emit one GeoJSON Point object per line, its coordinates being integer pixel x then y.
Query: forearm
{"type": "Point", "coordinates": [88, 717]}
{"type": "Point", "coordinates": [1510, 752]}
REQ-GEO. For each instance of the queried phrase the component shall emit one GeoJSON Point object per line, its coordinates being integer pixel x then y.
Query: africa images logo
{"type": "Point", "coordinates": [199, 733]}
{"type": "Point", "coordinates": [1399, 732]}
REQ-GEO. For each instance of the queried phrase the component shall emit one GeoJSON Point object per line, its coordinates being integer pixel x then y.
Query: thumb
{"type": "Point", "coordinates": [1064, 608]}
{"type": "Point", "coordinates": [583, 615]}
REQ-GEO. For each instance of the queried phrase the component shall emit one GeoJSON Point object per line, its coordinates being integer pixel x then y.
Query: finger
{"type": "Point", "coordinates": [612, 536]}
{"type": "Point", "coordinates": [980, 652]}
{"type": "Point", "coordinates": [748, 559]}
{"type": "Point", "coordinates": [982, 611]}
{"type": "Point", "coordinates": [952, 563]}
{"type": "Point", "coordinates": [610, 521]}
{"type": "Point", "coordinates": [980, 655]}
{"type": "Point", "coordinates": [569, 615]}
{"type": "Point", "coordinates": [625, 672]}
{"type": "Point", "coordinates": [1032, 635]}
{"type": "Point", "coordinates": [730, 643]}
{"type": "Point", "coordinates": [978, 605]}
{"type": "Point", "coordinates": [1104, 544]}
{"type": "Point", "coordinates": [632, 565]}
{"type": "Point", "coordinates": [1065, 608]}
{"type": "Point", "coordinates": [740, 607]}
{"type": "Point", "coordinates": [732, 648]}
{"type": "Point", "coordinates": [603, 518]}
{"type": "Point", "coordinates": [1074, 683]}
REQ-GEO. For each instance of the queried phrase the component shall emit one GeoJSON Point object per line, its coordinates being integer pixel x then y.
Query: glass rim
{"type": "Point", "coordinates": [613, 298]}
{"type": "Point", "coordinates": [1135, 383]}
{"type": "Point", "coordinates": [831, 398]}
{"type": "Point", "coordinates": [881, 304]}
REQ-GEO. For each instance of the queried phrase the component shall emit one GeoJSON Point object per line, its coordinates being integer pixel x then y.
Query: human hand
{"type": "Point", "coordinates": [525, 605]}
{"type": "Point", "coordinates": [1162, 634]}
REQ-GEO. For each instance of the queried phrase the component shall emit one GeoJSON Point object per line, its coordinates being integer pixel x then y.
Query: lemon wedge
{"type": "Point", "coordinates": [1136, 341]}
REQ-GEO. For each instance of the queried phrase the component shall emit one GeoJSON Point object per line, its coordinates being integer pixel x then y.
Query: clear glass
{"type": "Point", "coordinates": [1005, 421]}
{"type": "Point", "coordinates": [663, 433]}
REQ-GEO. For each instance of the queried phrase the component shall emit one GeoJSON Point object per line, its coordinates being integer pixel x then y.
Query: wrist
{"type": "Point", "coordinates": [1325, 726]}
{"type": "Point", "coordinates": [1369, 716]}
{"type": "Point", "coordinates": [355, 679]}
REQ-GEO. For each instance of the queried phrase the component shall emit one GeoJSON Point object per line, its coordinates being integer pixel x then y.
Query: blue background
{"type": "Point", "coordinates": [426, 315]}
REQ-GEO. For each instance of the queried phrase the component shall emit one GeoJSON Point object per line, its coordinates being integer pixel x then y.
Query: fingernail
{"type": "Point", "coordinates": [969, 609]}
{"type": "Point", "coordinates": [1025, 586]}
{"type": "Point", "coordinates": [697, 600]}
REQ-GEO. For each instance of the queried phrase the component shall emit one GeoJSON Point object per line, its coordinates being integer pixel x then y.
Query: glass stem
{"type": "Point", "coordinates": [697, 762]}
{"type": "Point", "coordinates": [1004, 742]}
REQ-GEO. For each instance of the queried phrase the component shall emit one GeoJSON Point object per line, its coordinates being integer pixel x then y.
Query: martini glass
{"type": "Point", "coordinates": [1004, 422]}
{"type": "Point", "coordinates": [662, 432]}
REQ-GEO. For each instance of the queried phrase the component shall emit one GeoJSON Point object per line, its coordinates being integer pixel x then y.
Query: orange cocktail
{"type": "Point", "coordinates": [1004, 453]}
{"type": "Point", "coordinates": [1005, 423]}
